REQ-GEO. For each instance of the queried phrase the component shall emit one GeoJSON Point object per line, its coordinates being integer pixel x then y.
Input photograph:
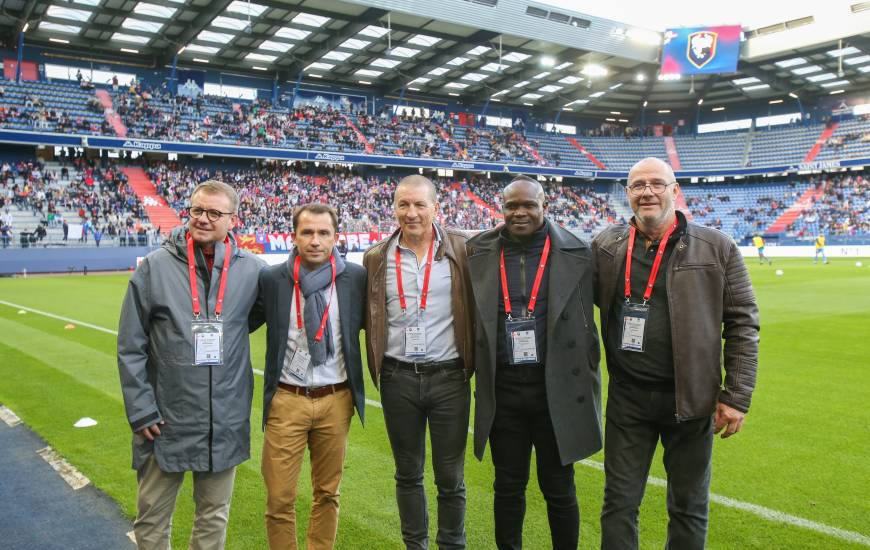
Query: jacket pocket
{"type": "Point", "coordinates": [688, 267]}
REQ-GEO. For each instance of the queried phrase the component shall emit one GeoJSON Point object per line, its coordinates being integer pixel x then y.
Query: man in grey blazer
{"type": "Point", "coordinates": [313, 306]}
{"type": "Point", "coordinates": [538, 384]}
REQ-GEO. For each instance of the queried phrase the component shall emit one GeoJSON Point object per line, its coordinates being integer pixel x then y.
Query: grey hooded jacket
{"type": "Point", "coordinates": [206, 409]}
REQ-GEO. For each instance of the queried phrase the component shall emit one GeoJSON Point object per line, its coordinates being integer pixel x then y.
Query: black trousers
{"type": "Point", "coordinates": [522, 422]}
{"type": "Point", "coordinates": [636, 420]}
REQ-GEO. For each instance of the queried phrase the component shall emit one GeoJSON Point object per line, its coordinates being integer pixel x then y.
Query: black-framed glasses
{"type": "Point", "coordinates": [656, 187]}
{"type": "Point", "coordinates": [212, 215]}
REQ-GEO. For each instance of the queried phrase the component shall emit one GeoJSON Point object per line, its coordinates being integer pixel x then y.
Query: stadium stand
{"type": "Point", "coordinates": [157, 114]}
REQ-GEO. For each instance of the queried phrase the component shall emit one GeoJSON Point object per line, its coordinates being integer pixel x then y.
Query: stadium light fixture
{"type": "Point", "coordinates": [258, 68]}
{"type": "Point", "coordinates": [610, 119]}
{"type": "Point", "coordinates": [774, 101]}
{"type": "Point", "coordinates": [645, 103]}
{"type": "Point", "coordinates": [701, 101]}
{"type": "Point", "coordinates": [835, 92]}
{"type": "Point", "coordinates": [26, 26]}
{"type": "Point", "coordinates": [857, 60]}
{"type": "Point", "coordinates": [129, 50]}
{"type": "Point", "coordinates": [615, 112]}
{"type": "Point", "coordinates": [529, 104]}
{"type": "Point", "coordinates": [714, 109]}
{"type": "Point", "coordinates": [664, 111]}
{"type": "Point", "coordinates": [453, 94]}
{"type": "Point", "coordinates": [623, 120]}
{"type": "Point", "coordinates": [792, 95]}
{"type": "Point", "coordinates": [58, 40]}
{"type": "Point", "coordinates": [640, 77]}
{"type": "Point", "coordinates": [547, 61]}
{"type": "Point", "coordinates": [841, 51]}
{"type": "Point", "coordinates": [790, 62]}
{"type": "Point", "coordinates": [806, 70]}
{"type": "Point", "coordinates": [199, 60]}
{"type": "Point", "coordinates": [366, 82]}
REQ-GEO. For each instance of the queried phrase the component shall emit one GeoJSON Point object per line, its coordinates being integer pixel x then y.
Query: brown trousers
{"type": "Point", "coordinates": [296, 422]}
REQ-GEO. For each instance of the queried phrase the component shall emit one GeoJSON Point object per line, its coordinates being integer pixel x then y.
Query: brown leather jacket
{"type": "Point", "coordinates": [375, 262]}
{"type": "Point", "coordinates": [710, 298]}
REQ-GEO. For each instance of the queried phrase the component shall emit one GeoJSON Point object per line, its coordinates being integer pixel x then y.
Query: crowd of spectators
{"type": "Point", "coordinates": [269, 191]}
{"type": "Point", "coordinates": [89, 192]}
{"type": "Point", "coordinates": [842, 209]}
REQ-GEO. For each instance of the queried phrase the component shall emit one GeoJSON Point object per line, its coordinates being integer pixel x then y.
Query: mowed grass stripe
{"type": "Point", "coordinates": [733, 464]}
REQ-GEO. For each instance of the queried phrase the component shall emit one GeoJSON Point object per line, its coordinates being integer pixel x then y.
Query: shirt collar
{"type": "Point", "coordinates": [438, 238]}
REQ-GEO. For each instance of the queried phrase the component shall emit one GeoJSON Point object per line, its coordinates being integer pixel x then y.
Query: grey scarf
{"type": "Point", "coordinates": [315, 288]}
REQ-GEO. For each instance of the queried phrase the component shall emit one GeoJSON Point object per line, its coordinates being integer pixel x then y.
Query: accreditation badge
{"type": "Point", "coordinates": [521, 341]}
{"type": "Point", "coordinates": [299, 364]}
{"type": "Point", "coordinates": [208, 343]}
{"type": "Point", "coordinates": [634, 318]}
{"type": "Point", "coordinates": [415, 341]}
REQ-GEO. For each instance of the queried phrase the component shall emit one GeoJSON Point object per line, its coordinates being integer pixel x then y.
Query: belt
{"type": "Point", "coordinates": [313, 392]}
{"type": "Point", "coordinates": [426, 367]}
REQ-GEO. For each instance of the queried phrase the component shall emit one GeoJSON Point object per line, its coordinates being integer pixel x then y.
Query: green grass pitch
{"type": "Point", "coordinates": [803, 451]}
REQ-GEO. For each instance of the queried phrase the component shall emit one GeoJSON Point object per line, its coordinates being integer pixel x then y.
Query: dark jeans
{"type": "Point", "coordinates": [411, 401]}
{"type": "Point", "coordinates": [522, 421]}
{"type": "Point", "coordinates": [636, 419]}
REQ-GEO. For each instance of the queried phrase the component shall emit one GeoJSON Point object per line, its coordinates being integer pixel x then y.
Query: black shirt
{"type": "Point", "coordinates": [521, 260]}
{"type": "Point", "coordinates": [654, 367]}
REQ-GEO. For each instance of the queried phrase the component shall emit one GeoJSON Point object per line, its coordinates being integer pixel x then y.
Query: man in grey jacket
{"type": "Point", "coordinates": [669, 292]}
{"type": "Point", "coordinates": [184, 362]}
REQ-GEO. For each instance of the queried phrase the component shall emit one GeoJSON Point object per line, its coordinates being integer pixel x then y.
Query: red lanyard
{"type": "Point", "coordinates": [425, 291]}
{"type": "Point", "coordinates": [319, 336]}
{"type": "Point", "coordinates": [535, 287]}
{"type": "Point", "coordinates": [632, 231]}
{"type": "Point", "coordinates": [191, 268]}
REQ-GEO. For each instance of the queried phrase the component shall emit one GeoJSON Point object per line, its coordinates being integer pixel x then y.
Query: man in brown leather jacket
{"type": "Point", "coordinates": [663, 317]}
{"type": "Point", "coordinates": [419, 341]}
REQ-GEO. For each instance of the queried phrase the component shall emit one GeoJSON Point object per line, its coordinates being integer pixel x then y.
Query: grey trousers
{"type": "Point", "coordinates": [441, 400]}
{"type": "Point", "coordinates": [636, 420]}
{"type": "Point", "coordinates": [158, 490]}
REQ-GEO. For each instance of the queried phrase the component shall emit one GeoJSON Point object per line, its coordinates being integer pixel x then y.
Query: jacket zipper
{"type": "Point", "coordinates": [671, 270]}
{"type": "Point", "coordinates": [523, 282]}
{"type": "Point", "coordinates": [206, 281]}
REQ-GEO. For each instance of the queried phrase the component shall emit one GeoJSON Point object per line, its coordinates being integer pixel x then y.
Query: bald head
{"type": "Point", "coordinates": [417, 181]}
{"type": "Point", "coordinates": [653, 164]}
{"type": "Point", "coordinates": [652, 193]}
{"type": "Point", "coordinates": [523, 207]}
{"type": "Point", "coordinates": [526, 184]}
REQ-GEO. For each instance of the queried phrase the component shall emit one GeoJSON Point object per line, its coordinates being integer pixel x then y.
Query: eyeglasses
{"type": "Point", "coordinates": [212, 215]}
{"type": "Point", "coordinates": [656, 187]}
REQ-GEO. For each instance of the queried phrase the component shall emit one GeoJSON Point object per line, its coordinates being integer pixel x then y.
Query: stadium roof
{"type": "Point", "coordinates": [344, 43]}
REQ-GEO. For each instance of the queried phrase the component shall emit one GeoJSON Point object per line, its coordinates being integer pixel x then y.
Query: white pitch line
{"type": "Point", "coordinates": [60, 318]}
{"type": "Point", "coordinates": [763, 512]}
